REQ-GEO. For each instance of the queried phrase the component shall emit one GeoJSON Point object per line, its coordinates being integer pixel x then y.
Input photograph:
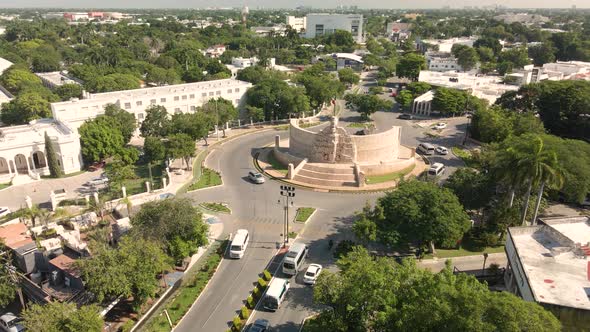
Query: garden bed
{"type": "Point", "coordinates": [216, 207]}
{"type": "Point", "coordinates": [374, 179]}
{"type": "Point", "coordinates": [240, 320]}
{"type": "Point", "coordinates": [208, 178]}
{"type": "Point", "coordinates": [303, 214]}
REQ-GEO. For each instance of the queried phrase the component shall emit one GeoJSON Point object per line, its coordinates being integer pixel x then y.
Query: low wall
{"type": "Point", "coordinates": [285, 158]}
{"type": "Point", "coordinates": [300, 140]}
{"type": "Point", "coordinates": [379, 147]}
{"type": "Point", "coordinates": [297, 169]}
{"type": "Point", "coordinates": [388, 167]}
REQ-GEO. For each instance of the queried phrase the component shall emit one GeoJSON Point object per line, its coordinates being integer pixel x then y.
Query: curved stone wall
{"type": "Point", "coordinates": [377, 148]}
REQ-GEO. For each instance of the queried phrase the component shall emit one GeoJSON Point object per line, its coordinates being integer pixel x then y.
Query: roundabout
{"type": "Point", "coordinates": [334, 160]}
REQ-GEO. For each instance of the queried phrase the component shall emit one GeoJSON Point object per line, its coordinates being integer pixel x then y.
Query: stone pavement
{"type": "Point", "coordinates": [464, 263]}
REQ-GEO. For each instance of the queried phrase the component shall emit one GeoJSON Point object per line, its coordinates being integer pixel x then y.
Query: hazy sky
{"type": "Point", "coordinates": [290, 3]}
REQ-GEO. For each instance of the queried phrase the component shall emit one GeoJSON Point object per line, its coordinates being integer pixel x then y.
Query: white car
{"type": "Point", "coordinates": [97, 182]}
{"type": "Point", "coordinates": [441, 150]}
{"type": "Point", "coordinates": [9, 322]}
{"type": "Point", "coordinates": [4, 211]}
{"type": "Point", "coordinates": [440, 126]}
{"type": "Point", "coordinates": [256, 177]}
{"type": "Point", "coordinates": [312, 274]}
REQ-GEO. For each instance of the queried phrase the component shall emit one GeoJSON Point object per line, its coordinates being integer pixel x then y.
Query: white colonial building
{"type": "Point", "coordinates": [442, 61]}
{"type": "Point", "coordinates": [22, 148]}
{"type": "Point", "coordinates": [324, 24]}
{"type": "Point", "coordinates": [179, 98]}
{"type": "Point", "coordinates": [297, 23]}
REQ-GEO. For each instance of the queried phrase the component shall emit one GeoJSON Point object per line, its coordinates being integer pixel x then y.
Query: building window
{"type": "Point", "coordinates": [176, 98]}
{"type": "Point", "coordinates": [193, 108]}
{"type": "Point", "coordinates": [237, 90]}
{"type": "Point", "coordinates": [177, 110]}
{"type": "Point", "coordinates": [162, 100]}
{"type": "Point", "coordinates": [319, 29]}
{"type": "Point", "coordinates": [211, 93]}
{"type": "Point", "coordinates": [204, 94]}
{"type": "Point", "coordinates": [229, 91]}
{"type": "Point", "coordinates": [192, 96]}
{"type": "Point", "coordinates": [237, 101]}
{"type": "Point", "coordinates": [140, 116]}
{"type": "Point", "coordinates": [218, 92]}
{"type": "Point", "coordinates": [152, 102]}
{"type": "Point", "coordinates": [184, 97]}
{"type": "Point", "coordinates": [127, 105]}
{"type": "Point", "coordinates": [138, 103]}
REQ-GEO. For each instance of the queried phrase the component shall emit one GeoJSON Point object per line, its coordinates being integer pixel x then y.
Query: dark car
{"type": "Point", "coordinates": [260, 325]}
{"type": "Point", "coordinates": [405, 116]}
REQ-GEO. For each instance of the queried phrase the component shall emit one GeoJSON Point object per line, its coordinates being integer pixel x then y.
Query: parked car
{"type": "Point", "coordinates": [312, 274]}
{"type": "Point", "coordinates": [97, 182]}
{"type": "Point", "coordinates": [441, 150]}
{"type": "Point", "coordinates": [405, 116]}
{"type": "Point", "coordinates": [440, 126]}
{"type": "Point", "coordinates": [4, 211]}
{"type": "Point", "coordinates": [96, 166]}
{"type": "Point", "coordinates": [260, 325]}
{"type": "Point", "coordinates": [9, 322]}
{"type": "Point", "coordinates": [256, 177]}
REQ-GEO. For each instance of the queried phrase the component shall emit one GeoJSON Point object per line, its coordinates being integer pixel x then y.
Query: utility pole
{"type": "Point", "coordinates": [288, 193]}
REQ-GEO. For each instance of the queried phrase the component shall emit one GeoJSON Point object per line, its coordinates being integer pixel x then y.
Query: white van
{"type": "Point", "coordinates": [294, 259]}
{"type": "Point", "coordinates": [239, 244]}
{"type": "Point", "coordinates": [275, 294]}
{"type": "Point", "coordinates": [436, 169]}
{"type": "Point", "coordinates": [425, 148]}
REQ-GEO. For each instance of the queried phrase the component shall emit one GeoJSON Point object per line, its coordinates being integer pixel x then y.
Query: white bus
{"type": "Point", "coordinates": [436, 169]}
{"type": "Point", "coordinates": [239, 244]}
{"type": "Point", "coordinates": [425, 148]}
{"type": "Point", "coordinates": [275, 294]}
{"type": "Point", "coordinates": [294, 259]}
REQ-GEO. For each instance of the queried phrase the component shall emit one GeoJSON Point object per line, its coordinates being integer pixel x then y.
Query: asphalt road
{"type": "Point", "coordinates": [256, 208]}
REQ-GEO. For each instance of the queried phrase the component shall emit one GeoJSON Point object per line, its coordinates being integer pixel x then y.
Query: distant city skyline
{"type": "Point", "coordinates": [327, 4]}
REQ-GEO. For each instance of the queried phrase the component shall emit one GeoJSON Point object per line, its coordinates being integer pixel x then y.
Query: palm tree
{"type": "Point", "coordinates": [551, 174]}
{"type": "Point", "coordinates": [539, 166]}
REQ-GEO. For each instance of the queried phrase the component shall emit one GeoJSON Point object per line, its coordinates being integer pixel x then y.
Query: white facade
{"type": "Point", "coordinates": [176, 98]}
{"type": "Point", "coordinates": [22, 149]}
{"type": "Point", "coordinates": [240, 63]}
{"type": "Point", "coordinates": [324, 24]}
{"type": "Point", "coordinates": [445, 45]}
{"type": "Point", "coordinates": [4, 64]}
{"type": "Point", "coordinates": [297, 23]}
{"type": "Point", "coordinates": [442, 61]}
{"type": "Point", "coordinates": [489, 88]}
{"type": "Point", "coordinates": [215, 51]}
{"type": "Point", "coordinates": [422, 104]}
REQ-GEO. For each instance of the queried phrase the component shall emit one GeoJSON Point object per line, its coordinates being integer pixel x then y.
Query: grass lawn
{"type": "Point", "coordinates": [63, 176]}
{"type": "Point", "coordinates": [4, 185]}
{"type": "Point", "coordinates": [361, 125]}
{"type": "Point", "coordinates": [466, 155]}
{"type": "Point", "coordinates": [193, 284]}
{"type": "Point", "coordinates": [208, 178]}
{"type": "Point", "coordinates": [303, 213]}
{"type": "Point", "coordinates": [374, 179]}
{"type": "Point", "coordinates": [450, 253]}
{"type": "Point", "coordinates": [217, 207]}
{"type": "Point", "coordinates": [137, 185]}
{"type": "Point", "coordinates": [276, 165]}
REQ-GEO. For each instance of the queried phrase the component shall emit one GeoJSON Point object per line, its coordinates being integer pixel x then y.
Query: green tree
{"type": "Point", "coordinates": [220, 110]}
{"type": "Point", "coordinates": [348, 76]}
{"type": "Point", "coordinates": [542, 54]}
{"type": "Point", "coordinates": [118, 172]}
{"type": "Point", "coordinates": [473, 189]}
{"type": "Point", "coordinates": [14, 78]}
{"type": "Point", "coordinates": [156, 122]}
{"type": "Point", "coordinates": [449, 101]}
{"type": "Point", "coordinates": [377, 294]}
{"type": "Point", "coordinates": [181, 146]}
{"type": "Point", "coordinates": [253, 74]}
{"type": "Point", "coordinates": [69, 91]}
{"type": "Point", "coordinates": [255, 113]}
{"type": "Point", "coordinates": [171, 221]}
{"type": "Point", "coordinates": [467, 57]}
{"type": "Point", "coordinates": [98, 140]}
{"type": "Point", "coordinates": [422, 212]}
{"type": "Point", "coordinates": [55, 170]}
{"type": "Point", "coordinates": [45, 59]}
{"type": "Point", "coordinates": [154, 149]}
{"type": "Point", "coordinates": [410, 65]}
{"type": "Point", "coordinates": [405, 98]}
{"type": "Point", "coordinates": [124, 121]}
{"type": "Point", "coordinates": [25, 108]}
{"type": "Point", "coordinates": [63, 317]}
{"type": "Point", "coordinates": [277, 99]}
{"type": "Point", "coordinates": [320, 88]}
{"type": "Point", "coordinates": [8, 286]}
{"type": "Point", "coordinates": [161, 76]}
{"type": "Point", "coordinates": [366, 104]}
{"type": "Point", "coordinates": [196, 125]}
{"type": "Point", "coordinates": [113, 82]}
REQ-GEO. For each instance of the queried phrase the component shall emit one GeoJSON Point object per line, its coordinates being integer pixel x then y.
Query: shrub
{"type": "Point", "coordinates": [245, 312]}
{"type": "Point", "coordinates": [343, 247]}
{"type": "Point", "coordinates": [256, 292]}
{"type": "Point", "coordinates": [250, 302]}
{"type": "Point", "coordinates": [237, 323]}
{"type": "Point", "coordinates": [261, 283]}
{"type": "Point", "coordinates": [127, 326]}
{"type": "Point", "coordinates": [267, 275]}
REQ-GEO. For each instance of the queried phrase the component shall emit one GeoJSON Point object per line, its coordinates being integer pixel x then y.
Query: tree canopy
{"type": "Point", "coordinates": [367, 104]}
{"type": "Point", "coordinates": [99, 139]}
{"type": "Point", "coordinates": [377, 294]}
{"type": "Point", "coordinates": [62, 317]}
{"type": "Point", "coordinates": [410, 65]}
{"type": "Point", "coordinates": [278, 99]}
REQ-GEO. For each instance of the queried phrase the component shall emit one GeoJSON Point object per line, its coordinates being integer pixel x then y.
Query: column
{"type": "Point", "coordinates": [32, 162]}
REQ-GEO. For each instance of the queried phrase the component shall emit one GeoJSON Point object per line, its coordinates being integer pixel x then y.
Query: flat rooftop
{"type": "Point", "coordinates": [554, 264]}
{"type": "Point", "coordinates": [57, 78]}
{"type": "Point", "coordinates": [33, 133]}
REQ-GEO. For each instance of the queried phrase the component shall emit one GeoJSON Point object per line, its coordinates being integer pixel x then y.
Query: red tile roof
{"type": "Point", "coordinates": [66, 264]}
{"type": "Point", "coordinates": [15, 235]}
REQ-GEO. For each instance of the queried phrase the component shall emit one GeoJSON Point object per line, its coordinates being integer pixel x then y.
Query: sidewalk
{"type": "Point", "coordinates": [464, 263]}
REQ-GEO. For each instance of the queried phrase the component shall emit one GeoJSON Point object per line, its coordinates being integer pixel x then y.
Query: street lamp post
{"type": "Point", "coordinates": [485, 258]}
{"type": "Point", "coordinates": [288, 193]}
